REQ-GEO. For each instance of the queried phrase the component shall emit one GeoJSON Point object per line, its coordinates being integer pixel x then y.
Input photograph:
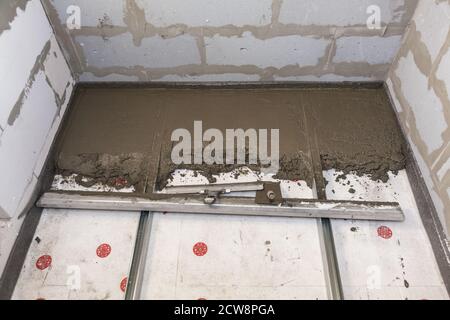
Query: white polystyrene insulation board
{"type": "Point", "coordinates": [230, 257]}
{"type": "Point", "coordinates": [90, 255]}
{"type": "Point", "coordinates": [383, 260]}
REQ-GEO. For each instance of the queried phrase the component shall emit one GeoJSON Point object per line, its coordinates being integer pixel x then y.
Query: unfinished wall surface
{"type": "Point", "coordinates": [419, 82]}
{"type": "Point", "coordinates": [36, 84]}
{"type": "Point", "coordinates": [233, 40]}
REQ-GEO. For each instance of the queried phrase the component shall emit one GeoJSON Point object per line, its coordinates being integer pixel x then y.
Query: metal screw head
{"type": "Point", "coordinates": [209, 200]}
{"type": "Point", "coordinates": [271, 195]}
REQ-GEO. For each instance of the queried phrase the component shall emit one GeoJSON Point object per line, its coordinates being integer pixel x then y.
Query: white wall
{"type": "Point", "coordinates": [419, 82]}
{"type": "Point", "coordinates": [36, 85]}
{"type": "Point", "coordinates": [232, 40]}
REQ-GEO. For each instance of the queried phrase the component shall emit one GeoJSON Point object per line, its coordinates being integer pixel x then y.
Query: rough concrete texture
{"type": "Point", "coordinates": [104, 141]}
{"type": "Point", "coordinates": [357, 132]}
{"type": "Point", "coordinates": [419, 83]}
{"type": "Point", "coordinates": [119, 171]}
{"type": "Point", "coordinates": [145, 126]}
{"type": "Point", "coordinates": [265, 40]}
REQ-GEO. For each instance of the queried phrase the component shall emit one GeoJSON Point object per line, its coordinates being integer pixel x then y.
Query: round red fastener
{"type": "Point", "coordinates": [200, 249]}
{"type": "Point", "coordinates": [384, 232]}
{"type": "Point", "coordinates": [120, 182]}
{"type": "Point", "coordinates": [103, 250]}
{"type": "Point", "coordinates": [43, 262]}
{"type": "Point", "coordinates": [123, 284]}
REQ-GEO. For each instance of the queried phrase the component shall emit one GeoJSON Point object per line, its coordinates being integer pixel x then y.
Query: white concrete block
{"type": "Point", "coordinates": [275, 52]}
{"type": "Point", "coordinates": [56, 69]}
{"type": "Point", "coordinates": [92, 12]}
{"type": "Point", "coordinates": [338, 13]}
{"type": "Point", "coordinates": [43, 153]}
{"type": "Point", "coordinates": [207, 12]}
{"type": "Point", "coordinates": [426, 106]}
{"type": "Point", "coordinates": [20, 46]}
{"type": "Point", "coordinates": [21, 143]}
{"type": "Point", "coordinates": [374, 50]}
{"type": "Point", "coordinates": [154, 52]}
{"type": "Point", "coordinates": [433, 22]}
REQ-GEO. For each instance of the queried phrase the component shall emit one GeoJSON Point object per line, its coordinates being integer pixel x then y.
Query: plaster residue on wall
{"type": "Point", "coordinates": [36, 86]}
{"type": "Point", "coordinates": [259, 40]}
{"type": "Point", "coordinates": [9, 11]}
{"type": "Point", "coordinates": [419, 82]}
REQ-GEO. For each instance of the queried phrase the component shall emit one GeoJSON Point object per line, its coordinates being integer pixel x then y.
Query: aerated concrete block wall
{"type": "Point", "coordinates": [36, 84]}
{"type": "Point", "coordinates": [230, 40]}
{"type": "Point", "coordinates": [419, 82]}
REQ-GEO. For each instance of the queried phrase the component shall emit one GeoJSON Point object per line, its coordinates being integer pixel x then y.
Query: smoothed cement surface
{"type": "Point", "coordinates": [122, 136]}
